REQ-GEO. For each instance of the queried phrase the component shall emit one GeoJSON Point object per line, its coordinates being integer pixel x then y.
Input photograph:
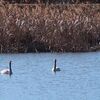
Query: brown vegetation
{"type": "Point", "coordinates": [40, 28]}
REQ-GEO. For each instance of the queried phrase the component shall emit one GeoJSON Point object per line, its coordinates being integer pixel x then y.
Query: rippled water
{"type": "Point", "coordinates": [32, 79]}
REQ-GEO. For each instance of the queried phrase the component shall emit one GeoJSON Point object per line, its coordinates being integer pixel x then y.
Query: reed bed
{"type": "Point", "coordinates": [49, 1]}
{"type": "Point", "coordinates": [49, 28]}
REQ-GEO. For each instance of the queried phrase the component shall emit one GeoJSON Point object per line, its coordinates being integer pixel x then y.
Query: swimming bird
{"type": "Point", "coordinates": [7, 71]}
{"type": "Point", "coordinates": [55, 68]}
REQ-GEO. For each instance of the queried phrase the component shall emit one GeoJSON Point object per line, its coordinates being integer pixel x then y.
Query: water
{"type": "Point", "coordinates": [32, 79]}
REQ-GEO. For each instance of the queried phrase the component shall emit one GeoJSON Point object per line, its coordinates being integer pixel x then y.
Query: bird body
{"type": "Point", "coordinates": [7, 70]}
{"type": "Point", "coordinates": [55, 68]}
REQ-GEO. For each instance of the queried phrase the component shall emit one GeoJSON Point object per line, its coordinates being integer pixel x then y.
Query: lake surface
{"type": "Point", "coordinates": [32, 79]}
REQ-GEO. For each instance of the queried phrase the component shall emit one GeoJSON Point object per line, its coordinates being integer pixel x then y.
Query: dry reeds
{"type": "Point", "coordinates": [40, 28]}
{"type": "Point", "coordinates": [49, 1]}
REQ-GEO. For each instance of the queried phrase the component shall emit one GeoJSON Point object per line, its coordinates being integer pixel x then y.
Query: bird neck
{"type": "Point", "coordinates": [55, 65]}
{"type": "Point", "coordinates": [10, 68]}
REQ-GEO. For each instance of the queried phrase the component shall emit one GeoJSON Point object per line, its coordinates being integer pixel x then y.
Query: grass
{"type": "Point", "coordinates": [49, 28]}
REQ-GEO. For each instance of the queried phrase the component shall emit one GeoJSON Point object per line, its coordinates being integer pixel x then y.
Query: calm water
{"type": "Point", "coordinates": [32, 79]}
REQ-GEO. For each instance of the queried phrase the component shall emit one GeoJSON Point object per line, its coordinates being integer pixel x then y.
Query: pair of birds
{"type": "Point", "coordinates": [8, 71]}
